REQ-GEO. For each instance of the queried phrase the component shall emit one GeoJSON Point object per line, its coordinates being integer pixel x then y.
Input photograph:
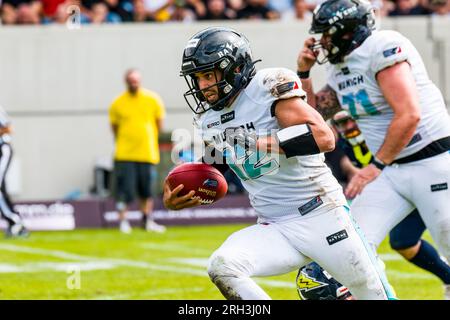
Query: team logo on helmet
{"type": "Point", "coordinates": [341, 14]}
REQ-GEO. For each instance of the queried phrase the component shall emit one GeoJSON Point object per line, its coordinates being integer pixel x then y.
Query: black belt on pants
{"type": "Point", "coordinates": [433, 149]}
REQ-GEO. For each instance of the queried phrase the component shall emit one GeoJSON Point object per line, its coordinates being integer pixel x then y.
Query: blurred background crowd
{"type": "Point", "coordinates": [157, 11]}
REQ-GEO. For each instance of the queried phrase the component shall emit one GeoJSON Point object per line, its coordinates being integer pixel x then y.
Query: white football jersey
{"type": "Point", "coordinates": [358, 91]}
{"type": "Point", "coordinates": [279, 188]}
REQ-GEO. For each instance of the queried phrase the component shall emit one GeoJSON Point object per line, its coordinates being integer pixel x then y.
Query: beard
{"type": "Point", "coordinates": [211, 96]}
{"type": "Point", "coordinates": [133, 89]}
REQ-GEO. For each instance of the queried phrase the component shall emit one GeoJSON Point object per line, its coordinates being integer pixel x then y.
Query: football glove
{"type": "Point", "coordinates": [239, 136]}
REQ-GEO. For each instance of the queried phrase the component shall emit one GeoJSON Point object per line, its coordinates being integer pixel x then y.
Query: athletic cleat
{"type": "Point", "coordinates": [17, 231]}
{"type": "Point", "coordinates": [125, 227]}
{"type": "Point", "coordinates": [153, 226]}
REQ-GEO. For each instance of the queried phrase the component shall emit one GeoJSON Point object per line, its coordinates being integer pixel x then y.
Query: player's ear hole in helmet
{"type": "Point", "coordinates": [314, 283]}
{"type": "Point", "coordinates": [344, 25]}
{"type": "Point", "coordinates": [221, 49]}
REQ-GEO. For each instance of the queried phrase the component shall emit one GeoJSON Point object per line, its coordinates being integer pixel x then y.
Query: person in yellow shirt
{"type": "Point", "coordinates": [136, 119]}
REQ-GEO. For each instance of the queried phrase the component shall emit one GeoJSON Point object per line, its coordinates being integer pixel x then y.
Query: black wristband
{"type": "Point", "coordinates": [303, 74]}
{"type": "Point", "coordinates": [378, 163]}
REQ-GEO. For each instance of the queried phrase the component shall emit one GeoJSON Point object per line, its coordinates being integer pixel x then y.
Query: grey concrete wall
{"type": "Point", "coordinates": [57, 85]}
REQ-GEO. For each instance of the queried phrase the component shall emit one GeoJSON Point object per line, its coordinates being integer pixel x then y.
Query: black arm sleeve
{"type": "Point", "coordinates": [215, 154]}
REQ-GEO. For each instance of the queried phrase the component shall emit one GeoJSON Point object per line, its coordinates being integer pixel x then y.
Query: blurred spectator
{"type": "Point", "coordinates": [136, 119]}
{"type": "Point", "coordinates": [217, 10]}
{"type": "Point", "coordinates": [49, 7]}
{"type": "Point", "coordinates": [439, 7]}
{"type": "Point", "coordinates": [176, 10]}
{"type": "Point", "coordinates": [115, 11]}
{"type": "Point", "coordinates": [281, 6]}
{"type": "Point", "coordinates": [376, 4]}
{"type": "Point", "coordinates": [159, 10]}
{"type": "Point", "coordinates": [197, 6]}
{"type": "Point", "coordinates": [183, 12]}
{"type": "Point", "coordinates": [101, 14]}
{"type": "Point", "coordinates": [86, 3]}
{"type": "Point", "coordinates": [312, 4]}
{"type": "Point", "coordinates": [299, 12]}
{"type": "Point", "coordinates": [383, 7]}
{"type": "Point", "coordinates": [63, 13]}
{"type": "Point", "coordinates": [122, 8]}
{"type": "Point", "coordinates": [257, 9]}
{"type": "Point", "coordinates": [236, 5]}
{"type": "Point", "coordinates": [140, 12]}
{"type": "Point", "coordinates": [86, 7]}
{"type": "Point", "coordinates": [21, 11]}
{"type": "Point", "coordinates": [408, 8]}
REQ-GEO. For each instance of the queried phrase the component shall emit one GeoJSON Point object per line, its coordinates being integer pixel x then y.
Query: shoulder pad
{"type": "Point", "coordinates": [283, 84]}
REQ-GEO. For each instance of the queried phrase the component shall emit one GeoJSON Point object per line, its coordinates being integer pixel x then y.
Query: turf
{"type": "Point", "coordinates": [105, 264]}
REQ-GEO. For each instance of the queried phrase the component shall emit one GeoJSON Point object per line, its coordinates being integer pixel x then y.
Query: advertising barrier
{"type": "Point", "coordinates": [101, 213]}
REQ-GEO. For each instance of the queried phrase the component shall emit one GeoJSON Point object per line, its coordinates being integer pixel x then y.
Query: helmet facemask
{"type": "Point", "coordinates": [195, 97]}
{"type": "Point", "coordinates": [340, 42]}
{"type": "Point", "coordinates": [346, 29]}
{"type": "Point", "coordinates": [222, 51]}
{"type": "Point", "coordinates": [347, 128]}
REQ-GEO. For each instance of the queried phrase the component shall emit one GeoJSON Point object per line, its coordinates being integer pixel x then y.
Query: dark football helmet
{"type": "Point", "coordinates": [314, 283]}
{"type": "Point", "coordinates": [347, 22]}
{"type": "Point", "coordinates": [222, 49]}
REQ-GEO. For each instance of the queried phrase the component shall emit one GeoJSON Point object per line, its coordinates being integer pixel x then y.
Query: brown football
{"type": "Point", "coordinates": [207, 182]}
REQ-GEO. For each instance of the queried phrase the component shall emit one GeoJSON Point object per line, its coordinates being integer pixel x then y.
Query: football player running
{"type": "Point", "coordinates": [380, 79]}
{"type": "Point", "coordinates": [313, 282]}
{"type": "Point", "coordinates": [301, 208]}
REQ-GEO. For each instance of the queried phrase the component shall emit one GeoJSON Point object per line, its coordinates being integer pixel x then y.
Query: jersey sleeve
{"type": "Point", "coordinates": [160, 111]}
{"type": "Point", "coordinates": [389, 51]}
{"type": "Point", "coordinates": [283, 84]}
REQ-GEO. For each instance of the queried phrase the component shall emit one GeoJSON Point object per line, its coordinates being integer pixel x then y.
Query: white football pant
{"type": "Point", "coordinates": [328, 237]}
{"type": "Point", "coordinates": [398, 190]}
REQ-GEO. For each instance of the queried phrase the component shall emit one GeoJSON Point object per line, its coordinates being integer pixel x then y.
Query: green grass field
{"type": "Point", "coordinates": [109, 265]}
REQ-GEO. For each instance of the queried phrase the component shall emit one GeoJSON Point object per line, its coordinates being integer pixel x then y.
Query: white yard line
{"type": "Point", "coordinates": [129, 263]}
{"type": "Point", "coordinates": [45, 252]}
{"type": "Point", "coordinates": [118, 262]}
{"type": "Point", "coordinates": [55, 266]}
{"type": "Point", "coordinates": [176, 248]}
{"type": "Point", "coordinates": [87, 263]}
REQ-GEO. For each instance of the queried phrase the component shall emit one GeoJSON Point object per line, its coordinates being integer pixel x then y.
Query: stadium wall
{"type": "Point", "coordinates": [101, 213]}
{"type": "Point", "coordinates": [57, 85]}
